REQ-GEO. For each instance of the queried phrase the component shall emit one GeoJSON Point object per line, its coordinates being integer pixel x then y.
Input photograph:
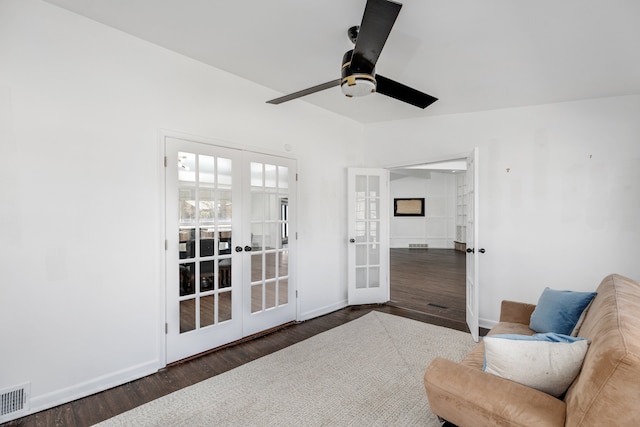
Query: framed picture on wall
{"type": "Point", "coordinates": [408, 207]}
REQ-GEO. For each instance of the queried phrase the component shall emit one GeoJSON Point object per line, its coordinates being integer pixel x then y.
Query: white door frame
{"type": "Point", "coordinates": [439, 159]}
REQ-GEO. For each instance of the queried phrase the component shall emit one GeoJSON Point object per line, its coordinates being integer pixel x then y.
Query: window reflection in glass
{"type": "Point", "coordinates": [374, 186]}
{"type": "Point", "coordinates": [270, 295]}
{"type": "Point", "coordinates": [206, 310]}
{"type": "Point", "coordinates": [224, 306]}
{"type": "Point", "coordinates": [256, 236]}
{"type": "Point", "coordinates": [187, 278]}
{"type": "Point", "coordinates": [206, 166]}
{"type": "Point", "coordinates": [283, 291]}
{"type": "Point", "coordinates": [256, 298]}
{"type": "Point", "coordinates": [206, 276]}
{"type": "Point", "coordinates": [206, 204]}
{"type": "Point", "coordinates": [258, 205]}
{"type": "Point", "coordinates": [283, 263]}
{"type": "Point", "coordinates": [256, 267]}
{"type": "Point", "coordinates": [186, 242]}
{"type": "Point", "coordinates": [283, 177]}
{"type": "Point", "coordinates": [269, 265]}
{"type": "Point", "coordinates": [187, 315]}
{"type": "Point", "coordinates": [224, 172]}
{"type": "Point", "coordinates": [187, 200]}
{"type": "Point", "coordinates": [224, 206]}
{"type": "Point", "coordinates": [270, 178]}
{"type": "Point", "coordinates": [361, 278]}
{"type": "Point", "coordinates": [225, 242]}
{"type": "Point", "coordinates": [256, 174]}
{"type": "Point", "coordinates": [224, 273]}
{"type": "Point", "coordinates": [186, 167]}
{"type": "Point", "coordinates": [207, 241]}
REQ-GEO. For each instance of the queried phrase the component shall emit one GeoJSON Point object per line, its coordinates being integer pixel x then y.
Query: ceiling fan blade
{"type": "Point", "coordinates": [377, 21]}
{"type": "Point", "coordinates": [304, 92]}
{"type": "Point", "coordinates": [403, 93]}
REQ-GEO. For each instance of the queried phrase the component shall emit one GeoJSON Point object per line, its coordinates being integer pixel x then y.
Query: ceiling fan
{"type": "Point", "coordinates": [358, 65]}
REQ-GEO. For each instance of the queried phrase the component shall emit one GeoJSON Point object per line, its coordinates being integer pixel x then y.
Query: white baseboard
{"type": "Point", "coordinates": [323, 310]}
{"type": "Point", "coordinates": [486, 323]}
{"type": "Point", "coordinates": [87, 388]}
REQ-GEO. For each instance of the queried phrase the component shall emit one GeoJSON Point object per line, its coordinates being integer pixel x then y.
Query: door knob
{"type": "Point", "coordinates": [238, 248]}
{"type": "Point", "coordinates": [470, 250]}
{"type": "Point", "coordinates": [481, 250]}
{"type": "Point", "coordinates": [352, 240]}
{"type": "Point", "coordinates": [247, 248]}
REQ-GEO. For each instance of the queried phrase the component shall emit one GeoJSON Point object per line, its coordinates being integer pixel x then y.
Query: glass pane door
{"type": "Point", "coordinates": [202, 216]}
{"type": "Point", "coordinates": [205, 239]}
{"type": "Point", "coordinates": [367, 262]}
{"type": "Point", "coordinates": [271, 195]}
{"type": "Point", "coordinates": [368, 250]}
{"type": "Point", "coordinates": [230, 233]}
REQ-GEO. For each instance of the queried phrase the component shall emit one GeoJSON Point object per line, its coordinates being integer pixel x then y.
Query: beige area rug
{"type": "Point", "coordinates": [367, 372]}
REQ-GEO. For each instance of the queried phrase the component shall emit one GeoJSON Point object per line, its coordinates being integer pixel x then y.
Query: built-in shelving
{"type": "Point", "coordinates": [461, 213]}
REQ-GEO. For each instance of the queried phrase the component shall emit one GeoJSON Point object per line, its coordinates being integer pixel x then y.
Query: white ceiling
{"type": "Point", "coordinates": [473, 55]}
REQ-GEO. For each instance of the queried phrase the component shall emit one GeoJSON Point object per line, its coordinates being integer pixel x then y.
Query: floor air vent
{"type": "Point", "coordinates": [418, 245]}
{"type": "Point", "coordinates": [14, 402]}
{"type": "Point", "coordinates": [437, 306]}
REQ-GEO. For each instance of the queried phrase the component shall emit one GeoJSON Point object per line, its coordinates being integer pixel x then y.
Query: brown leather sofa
{"type": "Point", "coordinates": [606, 392]}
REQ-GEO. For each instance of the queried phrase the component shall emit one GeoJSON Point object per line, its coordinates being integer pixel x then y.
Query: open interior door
{"type": "Point", "coordinates": [368, 247]}
{"type": "Point", "coordinates": [471, 195]}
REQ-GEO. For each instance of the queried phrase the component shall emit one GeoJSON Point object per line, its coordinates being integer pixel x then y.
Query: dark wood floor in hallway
{"type": "Point", "coordinates": [430, 281]}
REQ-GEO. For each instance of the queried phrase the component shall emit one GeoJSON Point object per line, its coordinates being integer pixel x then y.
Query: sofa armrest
{"type": "Point", "coordinates": [467, 396]}
{"type": "Point", "coordinates": [516, 312]}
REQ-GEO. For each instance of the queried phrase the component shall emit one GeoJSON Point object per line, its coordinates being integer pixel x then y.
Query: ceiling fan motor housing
{"type": "Point", "coordinates": [358, 83]}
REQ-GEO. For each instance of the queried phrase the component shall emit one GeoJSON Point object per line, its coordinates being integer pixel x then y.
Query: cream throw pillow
{"type": "Point", "coordinates": [547, 362]}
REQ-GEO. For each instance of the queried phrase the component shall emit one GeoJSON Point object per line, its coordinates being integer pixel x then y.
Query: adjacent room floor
{"type": "Point", "coordinates": [430, 281]}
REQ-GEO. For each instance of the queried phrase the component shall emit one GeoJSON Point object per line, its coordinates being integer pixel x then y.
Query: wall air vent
{"type": "Point", "coordinates": [14, 402]}
{"type": "Point", "coordinates": [418, 245]}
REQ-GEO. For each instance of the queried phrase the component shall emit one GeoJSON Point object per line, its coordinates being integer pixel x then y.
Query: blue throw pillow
{"type": "Point", "coordinates": [559, 311]}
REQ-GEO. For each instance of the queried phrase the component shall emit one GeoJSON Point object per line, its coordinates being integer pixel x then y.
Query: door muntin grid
{"type": "Point", "coordinates": [367, 231]}
{"type": "Point", "coordinates": [205, 240]}
{"type": "Point", "coordinates": [269, 265]}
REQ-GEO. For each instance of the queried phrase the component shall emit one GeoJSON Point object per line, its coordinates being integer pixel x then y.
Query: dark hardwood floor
{"type": "Point", "coordinates": [422, 280]}
{"type": "Point", "coordinates": [430, 281]}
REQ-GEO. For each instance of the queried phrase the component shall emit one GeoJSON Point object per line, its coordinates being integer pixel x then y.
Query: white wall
{"type": "Point", "coordinates": [80, 255]}
{"type": "Point", "coordinates": [437, 227]}
{"type": "Point", "coordinates": [81, 106]}
{"type": "Point", "coordinates": [565, 215]}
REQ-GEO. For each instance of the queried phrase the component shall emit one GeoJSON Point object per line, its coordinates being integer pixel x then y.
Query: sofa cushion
{"type": "Point", "coordinates": [559, 311]}
{"type": "Point", "coordinates": [547, 362]}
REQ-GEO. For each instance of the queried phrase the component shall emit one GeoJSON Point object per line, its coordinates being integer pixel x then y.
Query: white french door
{"type": "Point", "coordinates": [269, 298]}
{"type": "Point", "coordinates": [225, 210]}
{"type": "Point", "coordinates": [472, 285]}
{"type": "Point", "coordinates": [368, 248]}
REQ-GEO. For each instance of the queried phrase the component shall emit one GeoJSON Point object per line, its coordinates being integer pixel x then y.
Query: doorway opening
{"type": "Point", "coordinates": [427, 253]}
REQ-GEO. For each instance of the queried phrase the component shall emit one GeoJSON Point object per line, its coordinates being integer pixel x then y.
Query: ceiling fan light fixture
{"type": "Point", "coordinates": [358, 85]}
{"type": "Point", "coordinates": [356, 82]}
